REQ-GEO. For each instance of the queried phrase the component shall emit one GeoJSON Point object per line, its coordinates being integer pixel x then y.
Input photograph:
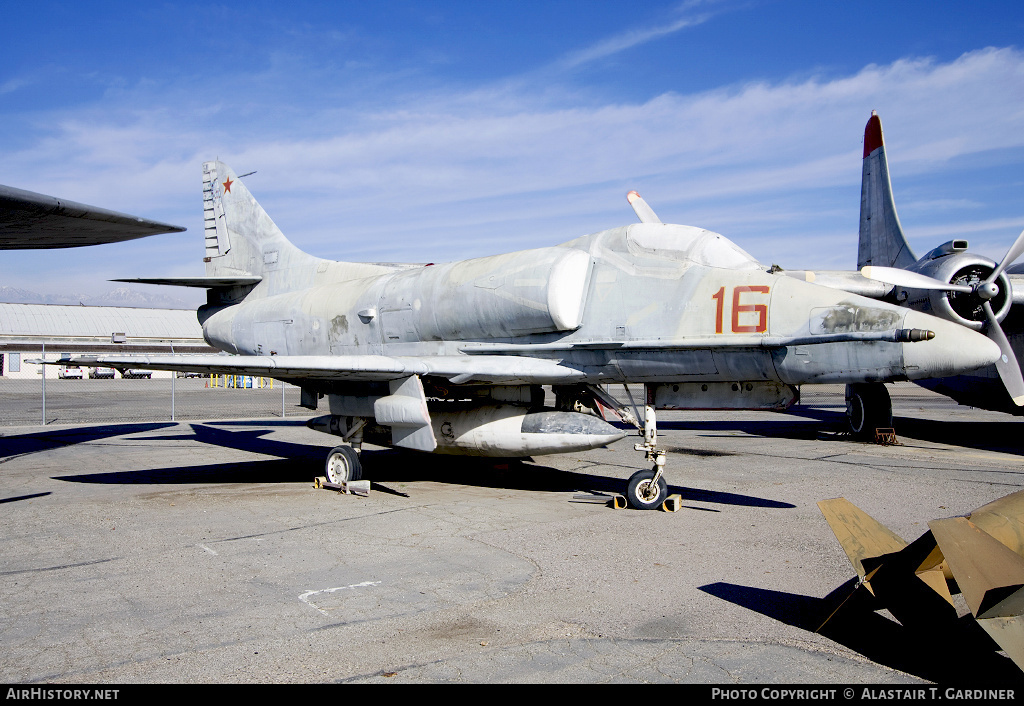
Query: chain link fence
{"type": "Point", "coordinates": [101, 395]}
{"type": "Point", "coordinates": [92, 395]}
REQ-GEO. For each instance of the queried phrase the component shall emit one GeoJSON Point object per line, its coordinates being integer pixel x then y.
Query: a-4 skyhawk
{"type": "Point", "coordinates": [453, 357]}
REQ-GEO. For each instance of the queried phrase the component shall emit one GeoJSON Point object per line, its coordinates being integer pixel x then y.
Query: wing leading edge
{"type": "Point", "coordinates": [495, 369]}
{"type": "Point", "coordinates": [30, 221]}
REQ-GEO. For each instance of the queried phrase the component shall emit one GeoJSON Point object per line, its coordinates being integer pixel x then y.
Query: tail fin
{"type": "Point", "coordinates": [860, 535]}
{"type": "Point", "coordinates": [241, 239]}
{"type": "Point", "coordinates": [882, 242]}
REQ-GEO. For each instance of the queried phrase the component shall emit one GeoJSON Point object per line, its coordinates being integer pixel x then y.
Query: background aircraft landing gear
{"type": "Point", "coordinates": [343, 465]}
{"type": "Point", "coordinates": [868, 407]}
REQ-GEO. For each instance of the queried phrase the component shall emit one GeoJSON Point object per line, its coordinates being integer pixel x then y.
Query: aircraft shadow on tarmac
{"type": "Point", "coordinates": [1003, 437]}
{"type": "Point", "coordinates": [809, 423]}
{"type": "Point", "coordinates": [21, 444]}
{"type": "Point", "coordinates": [303, 462]}
{"type": "Point", "coordinates": [958, 652]}
{"type": "Point", "coordinates": [805, 423]}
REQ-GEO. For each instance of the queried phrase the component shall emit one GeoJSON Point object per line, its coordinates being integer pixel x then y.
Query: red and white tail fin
{"type": "Point", "coordinates": [882, 242]}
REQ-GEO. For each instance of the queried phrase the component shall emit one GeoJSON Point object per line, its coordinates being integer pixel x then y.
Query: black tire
{"type": "Point", "coordinates": [638, 488]}
{"type": "Point", "coordinates": [343, 465]}
{"type": "Point", "coordinates": [868, 407]}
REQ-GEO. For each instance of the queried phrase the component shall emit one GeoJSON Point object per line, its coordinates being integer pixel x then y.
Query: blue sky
{"type": "Point", "coordinates": [432, 131]}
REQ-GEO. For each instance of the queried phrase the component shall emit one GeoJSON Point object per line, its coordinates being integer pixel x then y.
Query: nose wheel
{"type": "Point", "coordinates": [646, 490]}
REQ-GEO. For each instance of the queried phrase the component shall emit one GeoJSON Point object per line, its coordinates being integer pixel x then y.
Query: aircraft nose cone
{"type": "Point", "coordinates": [954, 350]}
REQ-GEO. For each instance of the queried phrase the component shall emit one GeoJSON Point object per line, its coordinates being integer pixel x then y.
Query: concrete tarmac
{"type": "Point", "coordinates": [201, 552]}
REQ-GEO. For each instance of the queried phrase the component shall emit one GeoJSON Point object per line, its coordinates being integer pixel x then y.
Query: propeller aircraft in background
{"type": "Point", "coordinates": [948, 282]}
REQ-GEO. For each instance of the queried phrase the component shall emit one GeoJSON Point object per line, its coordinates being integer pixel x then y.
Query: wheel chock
{"type": "Point", "coordinates": [354, 487]}
{"type": "Point", "coordinates": [358, 487]}
{"type": "Point", "coordinates": [672, 503]}
{"type": "Point", "coordinates": [618, 502]}
{"type": "Point", "coordinates": [886, 436]}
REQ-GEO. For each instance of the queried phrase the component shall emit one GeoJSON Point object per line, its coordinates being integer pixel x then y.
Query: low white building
{"type": "Point", "coordinates": [28, 331]}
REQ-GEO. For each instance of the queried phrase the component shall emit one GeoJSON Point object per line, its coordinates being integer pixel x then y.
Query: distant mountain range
{"type": "Point", "coordinates": [121, 296]}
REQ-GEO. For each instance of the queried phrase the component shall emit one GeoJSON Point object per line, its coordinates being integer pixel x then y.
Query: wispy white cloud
{"type": "Point", "coordinates": [467, 172]}
{"type": "Point", "coordinates": [13, 84]}
{"type": "Point", "coordinates": [632, 38]}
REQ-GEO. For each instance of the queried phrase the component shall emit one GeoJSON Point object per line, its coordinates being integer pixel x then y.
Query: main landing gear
{"type": "Point", "coordinates": [343, 464]}
{"type": "Point", "coordinates": [868, 407]}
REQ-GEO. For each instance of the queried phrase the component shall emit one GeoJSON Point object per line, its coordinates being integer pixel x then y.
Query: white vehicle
{"type": "Point", "coordinates": [136, 373]}
{"type": "Point", "coordinates": [101, 373]}
{"type": "Point", "coordinates": [66, 372]}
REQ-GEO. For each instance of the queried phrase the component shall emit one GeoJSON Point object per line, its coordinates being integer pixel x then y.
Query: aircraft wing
{"type": "Point", "coordinates": [850, 281]}
{"type": "Point", "coordinates": [500, 364]}
{"type": "Point", "coordinates": [207, 282]}
{"type": "Point", "coordinates": [30, 221]}
{"type": "Point", "coordinates": [1017, 282]}
{"type": "Point", "coordinates": [490, 369]}
{"type": "Point", "coordinates": [855, 283]}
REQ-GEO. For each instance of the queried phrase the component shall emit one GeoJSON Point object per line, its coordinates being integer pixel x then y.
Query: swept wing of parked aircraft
{"type": "Point", "coordinates": [453, 357]}
{"type": "Point", "coordinates": [980, 555]}
{"type": "Point", "coordinates": [29, 221]}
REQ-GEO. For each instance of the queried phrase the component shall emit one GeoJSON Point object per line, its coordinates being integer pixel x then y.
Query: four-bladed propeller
{"type": "Point", "coordinates": [986, 291]}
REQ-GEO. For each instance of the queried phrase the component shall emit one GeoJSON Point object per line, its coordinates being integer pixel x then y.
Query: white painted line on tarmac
{"type": "Point", "coordinates": [305, 596]}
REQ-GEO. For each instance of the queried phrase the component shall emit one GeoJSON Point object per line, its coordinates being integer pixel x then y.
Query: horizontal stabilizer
{"type": "Point", "coordinates": [860, 535]}
{"type": "Point", "coordinates": [202, 282]}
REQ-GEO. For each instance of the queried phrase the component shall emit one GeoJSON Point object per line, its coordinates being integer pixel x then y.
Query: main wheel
{"type": "Point", "coordinates": [343, 465]}
{"type": "Point", "coordinates": [868, 407]}
{"type": "Point", "coordinates": [643, 494]}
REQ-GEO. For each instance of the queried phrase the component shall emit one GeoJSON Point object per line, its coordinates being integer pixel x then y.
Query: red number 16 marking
{"type": "Point", "coordinates": [760, 309]}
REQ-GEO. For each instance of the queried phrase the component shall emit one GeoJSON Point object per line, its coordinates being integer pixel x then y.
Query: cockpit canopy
{"type": "Point", "coordinates": [689, 243]}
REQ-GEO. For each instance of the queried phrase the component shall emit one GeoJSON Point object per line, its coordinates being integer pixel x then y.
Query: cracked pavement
{"type": "Point", "coordinates": [200, 552]}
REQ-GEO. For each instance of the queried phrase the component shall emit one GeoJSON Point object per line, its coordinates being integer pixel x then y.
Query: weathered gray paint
{"type": "Point", "coordinates": [645, 303]}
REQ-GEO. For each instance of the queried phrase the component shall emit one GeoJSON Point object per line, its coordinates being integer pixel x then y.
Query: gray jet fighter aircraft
{"type": "Point", "coordinates": [453, 357]}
